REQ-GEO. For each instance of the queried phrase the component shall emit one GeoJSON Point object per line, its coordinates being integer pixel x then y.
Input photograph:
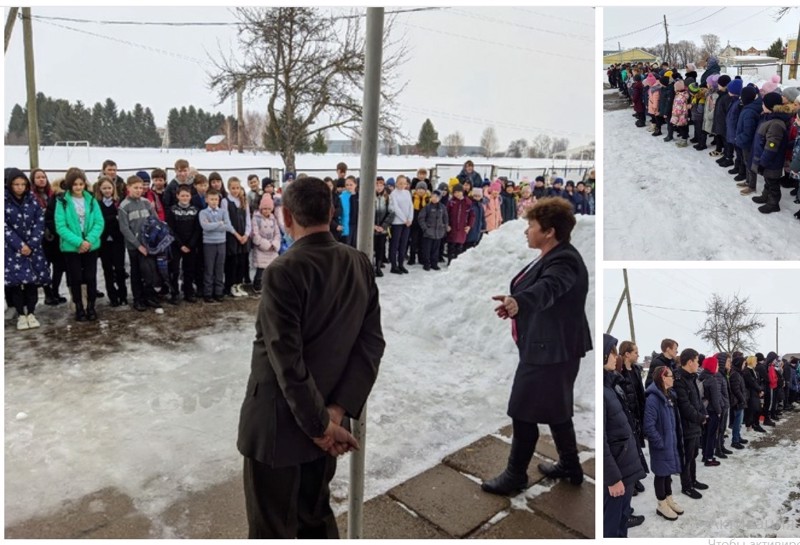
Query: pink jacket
{"type": "Point", "coordinates": [524, 205]}
{"type": "Point", "coordinates": [493, 215]}
{"type": "Point", "coordinates": [680, 109]}
{"type": "Point", "coordinates": [266, 240]}
{"type": "Point", "coordinates": [652, 99]}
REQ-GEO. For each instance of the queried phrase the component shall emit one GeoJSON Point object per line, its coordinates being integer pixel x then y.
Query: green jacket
{"type": "Point", "coordinates": [68, 226]}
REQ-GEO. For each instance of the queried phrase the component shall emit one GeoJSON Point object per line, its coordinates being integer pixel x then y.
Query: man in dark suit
{"type": "Point", "coordinates": [315, 358]}
{"type": "Point", "coordinates": [547, 306]}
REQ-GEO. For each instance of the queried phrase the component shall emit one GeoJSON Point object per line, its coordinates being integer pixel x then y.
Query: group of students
{"type": "Point", "coordinates": [685, 406]}
{"type": "Point", "coordinates": [753, 130]}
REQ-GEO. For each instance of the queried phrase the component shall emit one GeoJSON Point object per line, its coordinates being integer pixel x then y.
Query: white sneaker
{"type": "Point", "coordinates": [22, 322]}
{"type": "Point", "coordinates": [237, 291]}
{"type": "Point", "coordinates": [33, 322]}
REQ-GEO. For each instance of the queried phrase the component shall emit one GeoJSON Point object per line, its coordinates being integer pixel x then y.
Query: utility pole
{"type": "Point", "coordinates": [12, 18]}
{"type": "Point", "coordinates": [630, 305]}
{"type": "Point", "coordinates": [793, 66]}
{"type": "Point", "coordinates": [366, 214]}
{"type": "Point", "coordinates": [616, 311]}
{"type": "Point", "coordinates": [666, 43]}
{"type": "Point", "coordinates": [777, 350]}
{"type": "Point", "coordinates": [30, 83]}
{"type": "Point", "coordinates": [239, 118]}
{"type": "Point", "coordinates": [619, 46]}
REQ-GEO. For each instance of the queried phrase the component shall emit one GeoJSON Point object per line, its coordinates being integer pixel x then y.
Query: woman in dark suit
{"type": "Point", "coordinates": [546, 306]}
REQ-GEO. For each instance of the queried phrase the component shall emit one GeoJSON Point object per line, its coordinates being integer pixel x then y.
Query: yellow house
{"type": "Point", "coordinates": [631, 56]}
{"type": "Point", "coordinates": [791, 52]}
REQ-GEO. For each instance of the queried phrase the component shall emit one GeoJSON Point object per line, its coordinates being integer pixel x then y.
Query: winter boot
{"type": "Point", "coordinates": [657, 132]}
{"type": "Point", "coordinates": [515, 477]}
{"type": "Point", "coordinates": [634, 520]}
{"type": "Point", "coordinates": [740, 177]}
{"type": "Point", "coordinates": [91, 313]}
{"type": "Point", "coordinates": [674, 505]}
{"type": "Point", "coordinates": [639, 123]}
{"type": "Point", "coordinates": [568, 466]}
{"type": "Point", "coordinates": [80, 314]}
{"type": "Point", "coordinates": [666, 511]}
{"type": "Point", "coordinates": [682, 143]}
{"type": "Point", "coordinates": [761, 199]}
{"type": "Point", "coordinates": [49, 298]}
{"type": "Point", "coordinates": [700, 147]}
{"type": "Point", "coordinates": [769, 208]}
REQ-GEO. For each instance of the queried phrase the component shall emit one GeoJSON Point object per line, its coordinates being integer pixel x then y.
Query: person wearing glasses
{"type": "Point", "coordinates": [663, 430]}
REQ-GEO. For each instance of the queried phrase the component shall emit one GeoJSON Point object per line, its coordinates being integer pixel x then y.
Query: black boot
{"type": "Point", "coordinates": [378, 272]}
{"type": "Point", "coordinates": [91, 313]}
{"type": "Point", "coordinates": [515, 477]}
{"type": "Point", "coordinates": [568, 466]}
{"type": "Point", "coordinates": [760, 199]}
{"type": "Point", "coordinates": [49, 297]}
{"type": "Point", "coordinates": [80, 313]}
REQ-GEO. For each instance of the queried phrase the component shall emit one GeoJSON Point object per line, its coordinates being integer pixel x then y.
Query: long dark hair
{"type": "Point", "coordinates": [658, 378]}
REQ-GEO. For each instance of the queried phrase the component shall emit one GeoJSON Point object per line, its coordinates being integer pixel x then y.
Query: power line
{"type": "Point", "coordinates": [706, 312]}
{"type": "Point", "coordinates": [510, 46]}
{"type": "Point", "coordinates": [703, 19]}
{"type": "Point", "coordinates": [582, 37]}
{"type": "Point", "coordinates": [542, 14]}
{"type": "Point", "coordinates": [632, 33]}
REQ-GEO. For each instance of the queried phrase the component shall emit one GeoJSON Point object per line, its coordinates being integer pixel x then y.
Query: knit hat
{"type": "Point", "coordinates": [539, 179]}
{"type": "Point", "coordinates": [570, 183]}
{"type": "Point", "coordinates": [637, 77]}
{"type": "Point", "coordinates": [792, 93]}
{"type": "Point", "coordinates": [690, 67]}
{"type": "Point", "coordinates": [771, 85]}
{"type": "Point", "coordinates": [288, 177]}
{"type": "Point", "coordinates": [650, 80]}
{"type": "Point", "coordinates": [436, 193]}
{"type": "Point", "coordinates": [458, 187]}
{"type": "Point", "coordinates": [476, 191]}
{"type": "Point", "coordinates": [694, 88]}
{"type": "Point", "coordinates": [759, 356]}
{"type": "Point", "coordinates": [749, 94]}
{"type": "Point", "coordinates": [663, 80]}
{"type": "Point", "coordinates": [713, 81]}
{"type": "Point", "coordinates": [421, 185]}
{"type": "Point", "coordinates": [772, 99]}
{"type": "Point", "coordinates": [144, 175]}
{"type": "Point", "coordinates": [496, 186]}
{"type": "Point", "coordinates": [712, 60]}
{"type": "Point", "coordinates": [609, 343]}
{"type": "Point", "coordinates": [559, 181]}
{"type": "Point", "coordinates": [509, 183]}
{"type": "Point", "coordinates": [266, 202]}
{"type": "Point", "coordinates": [724, 80]}
{"type": "Point", "coordinates": [486, 183]}
{"type": "Point", "coordinates": [668, 74]}
{"type": "Point", "coordinates": [735, 87]}
{"type": "Point", "coordinates": [772, 356]}
{"type": "Point", "coordinates": [738, 362]}
{"type": "Point", "coordinates": [680, 86]}
{"type": "Point", "coordinates": [390, 182]}
{"type": "Point", "coordinates": [711, 364]}
{"type": "Point", "coordinates": [443, 187]}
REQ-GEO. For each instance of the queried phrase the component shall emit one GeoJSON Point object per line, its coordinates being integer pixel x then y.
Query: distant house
{"type": "Point", "coordinates": [726, 55]}
{"type": "Point", "coordinates": [217, 142]}
{"type": "Point", "coordinates": [791, 51]}
{"type": "Point", "coordinates": [629, 56]}
{"type": "Point", "coordinates": [753, 52]}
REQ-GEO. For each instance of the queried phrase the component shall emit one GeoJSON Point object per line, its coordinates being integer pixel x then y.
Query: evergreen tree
{"type": "Point", "coordinates": [149, 130]}
{"type": "Point", "coordinates": [17, 126]}
{"type": "Point", "coordinates": [173, 122]}
{"type": "Point", "coordinates": [110, 120]}
{"type": "Point", "coordinates": [428, 142]}
{"type": "Point", "coordinates": [97, 131]}
{"type": "Point", "coordinates": [776, 49]}
{"type": "Point", "coordinates": [83, 122]}
{"type": "Point", "coordinates": [319, 145]}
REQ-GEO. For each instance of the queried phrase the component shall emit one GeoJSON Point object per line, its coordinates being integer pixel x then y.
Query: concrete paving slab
{"type": "Point", "coordinates": [384, 518]}
{"type": "Point", "coordinates": [449, 500]}
{"type": "Point", "coordinates": [588, 467]}
{"type": "Point", "coordinates": [544, 446]}
{"type": "Point", "coordinates": [486, 458]}
{"type": "Point", "coordinates": [572, 506]}
{"type": "Point", "coordinates": [135, 526]}
{"type": "Point", "coordinates": [217, 512]}
{"type": "Point", "coordinates": [522, 524]}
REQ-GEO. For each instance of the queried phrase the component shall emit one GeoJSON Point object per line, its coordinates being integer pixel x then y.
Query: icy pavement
{"type": "Point", "coordinates": [149, 405]}
{"type": "Point", "coordinates": [666, 203]}
{"type": "Point", "coordinates": [755, 492]}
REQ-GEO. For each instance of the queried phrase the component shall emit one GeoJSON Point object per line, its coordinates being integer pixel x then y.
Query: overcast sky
{"type": "Point", "coordinates": [516, 68]}
{"type": "Point", "coordinates": [769, 291]}
{"type": "Point", "coordinates": [743, 27]}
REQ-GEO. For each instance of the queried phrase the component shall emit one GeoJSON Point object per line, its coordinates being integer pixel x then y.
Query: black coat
{"type": "Point", "coordinates": [659, 361]}
{"type": "Point", "coordinates": [508, 207]}
{"type": "Point", "coordinates": [712, 392]}
{"type": "Point", "coordinates": [51, 243]}
{"type": "Point", "coordinates": [318, 342]}
{"type": "Point", "coordinates": [719, 126]}
{"type": "Point", "coordinates": [621, 455]}
{"type": "Point", "coordinates": [751, 382]}
{"type": "Point", "coordinates": [552, 335]}
{"type": "Point", "coordinates": [337, 213]}
{"type": "Point", "coordinates": [690, 405]}
{"type": "Point", "coordinates": [635, 399]}
{"type": "Point", "coordinates": [738, 390]}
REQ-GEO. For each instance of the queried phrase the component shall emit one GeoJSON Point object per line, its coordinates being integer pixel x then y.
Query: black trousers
{"type": "Point", "coordinates": [290, 502]}
{"type": "Point", "coordinates": [429, 254]}
{"type": "Point", "coordinates": [615, 512]}
{"type": "Point", "coordinates": [82, 269]}
{"type": "Point", "coordinates": [58, 270]}
{"type": "Point", "coordinates": [399, 244]}
{"type": "Point", "coordinates": [142, 277]}
{"type": "Point", "coordinates": [415, 243]}
{"type": "Point", "coordinates": [720, 143]}
{"type": "Point", "coordinates": [23, 297]}
{"type": "Point", "coordinates": [454, 250]}
{"type": "Point", "coordinates": [722, 428]}
{"type": "Point", "coordinates": [767, 402]}
{"type": "Point", "coordinates": [663, 486]}
{"type": "Point", "coordinates": [112, 257]}
{"type": "Point", "coordinates": [189, 264]}
{"type": "Point", "coordinates": [710, 437]}
{"type": "Point", "coordinates": [379, 245]}
{"type": "Point", "coordinates": [235, 265]}
{"type": "Point", "coordinates": [683, 131]}
{"type": "Point", "coordinates": [689, 470]}
{"type": "Point", "coordinates": [729, 149]}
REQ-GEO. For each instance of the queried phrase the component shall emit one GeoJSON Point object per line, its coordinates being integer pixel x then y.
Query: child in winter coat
{"type": "Point", "coordinates": [433, 221]}
{"type": "Point", "coordinates": [526, 202]}
{"type": "Point", "coordinates": [733, 152]}
{"type": "Point", "coordinates": [719, 127]}
{"type": "Point", "coordinates": [665, 104]}
{"type": "Point", "coordinates": [638, 104]}
{"type": "Point", "coordinates": [769, 150]}
{"type": "Point", "coordinates": [708, 114]}
{"type": "Point", "coordinates": [266, 239]}
{"type": "Point", "coordinates": [215, 222]}
{"type": "Point", "coordinates": [460, 220]}
{"type": "Point", "coordinates": [479, 225]}
{"type": "Point", "coordinates": [492, 208]}
{"type": "Point", "coordinates": [400, 203]}
{"type": "Point", "coordinates": [746, 125]}
{"type": "Point", "coordinates": [183, 220]}
{"type": "Point", "coordinates": [680, 114]}
{"type": "Point", "coordinates": [112, 244]}
{"type": "Point", "coordinates": [697, 107]}
{"type": "Point", "coordinates": [654, 95]}
{"type": "Point", "coordinates": [237, 247]}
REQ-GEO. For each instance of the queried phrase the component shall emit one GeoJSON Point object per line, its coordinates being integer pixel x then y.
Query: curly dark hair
{"type": "Point", "coordinates": [554, 213]}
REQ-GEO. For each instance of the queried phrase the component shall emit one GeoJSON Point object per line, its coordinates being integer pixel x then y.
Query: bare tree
{"type": "Point", "coordinates": [310, 66]}
{"type": "Point", "coordinates": [517, 148]}
{"type": "Point", "coordinates": [730, 325]}
{"type": "Point", "coordinates": [255, 125]}
{"type": "Point", "coordinates": [710, 45]}
{"type": "Point", "coordinates": [454, 144]}
{"type": "Point", "coordinates": [541, 146]}
{"type": "Point", "coordinates": [684, 52]}
{"type": "Point", "coordinates": [659, 50]}
{"type": "Point", "coordinates": [489, 141]}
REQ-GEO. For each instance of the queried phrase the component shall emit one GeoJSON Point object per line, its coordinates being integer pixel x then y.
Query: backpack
{"type": "Point", "coordinates": [155, 236]}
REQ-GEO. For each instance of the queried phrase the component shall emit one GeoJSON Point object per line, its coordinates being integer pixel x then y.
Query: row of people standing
{"type": "Point", "coordinates": [753, 129]}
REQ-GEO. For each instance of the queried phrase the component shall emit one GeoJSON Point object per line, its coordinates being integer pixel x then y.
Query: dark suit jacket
{"type": "Point", "coordinates": [318, 342]}
{"type": "Point", "coordinates": [551, 323]}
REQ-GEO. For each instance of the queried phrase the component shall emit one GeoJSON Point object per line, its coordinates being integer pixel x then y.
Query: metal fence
{"type": "Point", "coordinates": [764, 71]}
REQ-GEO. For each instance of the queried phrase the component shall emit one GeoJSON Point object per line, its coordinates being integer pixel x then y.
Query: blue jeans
{"type": "Point", "coordinates": [738, 417]}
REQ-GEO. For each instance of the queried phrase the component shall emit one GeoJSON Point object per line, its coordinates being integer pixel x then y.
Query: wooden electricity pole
{"type": "Point", "coordinates": [793, 66]}
{"type": "Point", "coordinates": [630, 305]}
{"type": "Point", "coordinates": [616, 311]}
{"type": "Point", "coordinates": [666, 43]}
{"type": "Point", "coordinates": [12, 18]}
{"type": "Point", "coordinates": [239, 119]}
{"type": "Point", "coordinates": [30, 82]}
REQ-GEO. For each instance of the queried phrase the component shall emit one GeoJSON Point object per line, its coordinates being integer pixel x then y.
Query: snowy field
{"type": "Point", "coordinates": [158, 421]}
{"type": "Point", "coordinates": [754, 493]}
{"type": "Point", "coordinates": [56, 161]}
{"type": "Point", "coordinates": [668, 203]}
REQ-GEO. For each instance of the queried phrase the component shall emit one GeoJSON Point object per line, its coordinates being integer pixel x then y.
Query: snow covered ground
{"type": "Point", "coordinates": [668, 203]}
{"type": "Point", "coordinates": [755, 492]}
{"type": "Point", "coordinates": [159, 421]}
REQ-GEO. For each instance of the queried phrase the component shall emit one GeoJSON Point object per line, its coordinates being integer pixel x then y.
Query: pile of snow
{"type": "Point", "coordinates": [753, 493]}
{"type": "Point", "coordinates": [157, 422]}
{"type": "Point", "coordinates": [668, 203]}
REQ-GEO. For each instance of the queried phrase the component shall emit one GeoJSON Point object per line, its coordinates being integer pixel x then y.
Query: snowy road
{"type": "Point", "coordinates": [666, 203]}
{"type": "Point", "coordinates": [158, 420]}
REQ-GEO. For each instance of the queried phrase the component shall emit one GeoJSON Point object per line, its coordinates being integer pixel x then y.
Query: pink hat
{"type": "Point", "coordinates": [650, 80]}
{"type": "Point", "coordinates": [497, 185]}
{"type": "Point", "coordinates": [266, 202]}
{"type": "Point", "coordinates": [770, 85]}
{"type": "Point", "coordinates": [680, 86]}
{"type": "Point", "coordinates": [690, 67]}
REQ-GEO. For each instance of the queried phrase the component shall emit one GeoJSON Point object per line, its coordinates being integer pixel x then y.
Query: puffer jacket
{"type": "Point", "coordinates": [770, 142]}
{"type": "Point", "coordinates": [24, 224]}
{"type": "Point", "coordinates": [638, 91]}
{"type": "Point", "coordinates": [266, 238]}
{"type": "Point", "coordinates": [661, 428]}
{"type": "Point", "coordinates": [747, 124]}
{"type": "Point", "coordinates": [459, 216]}
{"type": "Point", "coordinates": [720, 112]}
{"type": "Point", "coordinates": [732, 120]}
{"type": "Point", "coordinates": [383, 212]}
{"type": "Point", "coordinates": [492, 214]}
{"type": "Point", "coordinates": [690, 403]}
{"type": "Point", "coordinates": [433, 221]}
{"type": "Point", "coordinates": [653, 99]}
{"type": "Point", "coordinates": [754, 389]}
{"type": "Point", "coordinates": [699, 105]}
{"type": "Point", "coordinates": [708, 115]}
{"type": "Point", "coordinates": [724, 390]}
{"type": "Point", "coordinates": [680, 109]}
{"type": "Point", "coordinates": [738, 390]}
{"type": "Point", "coordinates": [621, 456]}
{"type": "Point", "coordinates": [68, 224]}
{"type": "Point", "coordinates": [711, 391]}
{"type": "Point", "coordinates": [665, 100]}
{"type": "Point", "coordinates": [635, 398]}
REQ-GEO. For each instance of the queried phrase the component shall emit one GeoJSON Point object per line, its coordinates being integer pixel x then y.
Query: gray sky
{"type": "Point", "coordinates": [768, 290]}
{"type": "Point", "coordinates": [468, 67]}
{"type": "Point", "coordinates": [744, 27]}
